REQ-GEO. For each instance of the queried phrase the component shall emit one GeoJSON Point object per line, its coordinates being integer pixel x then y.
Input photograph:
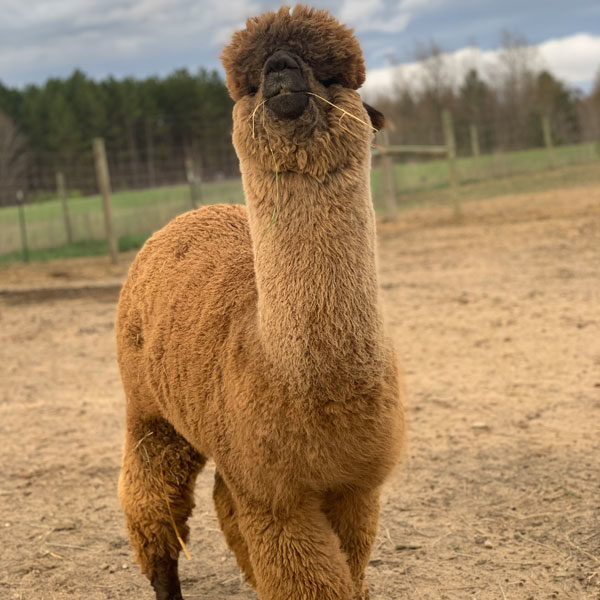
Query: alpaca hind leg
{"type": "Point", "coordinates": [295, 554]}
{"type": "Point", "coordinates": [156, 489]}
{"type": "Point", "coordinates": [228, 520]}
{"type": "Point", "coordinates": [354, 516]}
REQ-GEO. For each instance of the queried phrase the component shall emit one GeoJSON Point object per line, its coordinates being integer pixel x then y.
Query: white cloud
{"type": "Point", "coordinates": [574, 59]}
{"type": "Point", "coordinates": [382, 16]}
{"type": "Point", "coordinates": [353, 11]}
{"type": "Point", "coordinates": [58, 36]}
{"type": "Point", "coordinates": [40, 38]}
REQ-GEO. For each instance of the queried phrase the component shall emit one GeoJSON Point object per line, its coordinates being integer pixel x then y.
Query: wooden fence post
{"type": "Point", "coordinates": [194, 183]}
{"type": "Point", "coordinates": [450, 142]}
{"type": "Point", "coordinates": [547, 132]}
{"type": "Point", "coordinates": [103, 178]}
{"type": "Point", "coordinates": [23, 225]}
{"type": "Point", "coordinates": [150, 153]}
{"type": "Point", "coordinates": [62, 195]}
{"type": "Point", "coordinates": [474, 133]}
{"type": "Point", "coordinates": [389, 181]}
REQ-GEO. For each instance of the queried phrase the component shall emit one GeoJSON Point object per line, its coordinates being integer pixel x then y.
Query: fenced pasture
{"type": "Point", "coordinates": [136, 214]}
{"type": "Point", "coordinates": [48, 226]}
{"type": "Point", "coordinates": [495, 318]}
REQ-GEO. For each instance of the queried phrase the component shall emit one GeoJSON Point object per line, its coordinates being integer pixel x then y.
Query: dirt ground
{"type": "Point", "coordinates": [497, 324]}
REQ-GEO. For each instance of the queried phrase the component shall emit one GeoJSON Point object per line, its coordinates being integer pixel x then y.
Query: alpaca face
{"type": "Point", "coordinates": [288, 124]}
{"type": "Point", "coordinates": [293, 77]}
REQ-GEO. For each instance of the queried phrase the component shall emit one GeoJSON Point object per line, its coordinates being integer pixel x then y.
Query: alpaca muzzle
{"type": "Point", "coordinates": [285, 87]}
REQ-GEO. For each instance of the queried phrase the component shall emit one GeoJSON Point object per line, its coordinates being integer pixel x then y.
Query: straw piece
{"type": "Point", "coordinates": [179, 539]}
{"type": "Point", "coordinates": [343, 110]}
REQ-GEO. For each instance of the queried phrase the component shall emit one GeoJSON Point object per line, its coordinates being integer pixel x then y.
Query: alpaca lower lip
{"type": "Point", "coordinates": [288, 105]}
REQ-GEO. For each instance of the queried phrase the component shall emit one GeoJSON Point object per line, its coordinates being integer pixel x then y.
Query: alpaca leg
{"type": "Point", "coordinates": [354, 517]}
{"type": "Point", "coordinates": [295, 554]}
{"type": "Point", "coordinates": [156, 489]}
{"type": "Point", "coordinates": [228, 520]}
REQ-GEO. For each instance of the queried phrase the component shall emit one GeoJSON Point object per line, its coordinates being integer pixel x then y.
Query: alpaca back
{"type": "Point", "coordinates": [188, 284]}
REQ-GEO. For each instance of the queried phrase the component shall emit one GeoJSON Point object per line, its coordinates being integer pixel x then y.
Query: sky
{"type": "Point", "coordinates": [40, 39]}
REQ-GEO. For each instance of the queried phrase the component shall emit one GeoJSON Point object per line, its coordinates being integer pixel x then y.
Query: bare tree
{"type": "Point", "coordinates": [437, 71]}
{"type": "Point", "coordinates": [518, 62]}
{"type": "Point", "coordinates": [13, 161]}
{"type": "Point", "coordinates": [515, 73]}
{"type": "Point", "coordinates": [437, 78]}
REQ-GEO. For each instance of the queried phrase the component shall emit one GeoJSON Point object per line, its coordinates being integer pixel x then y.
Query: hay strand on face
{"type": "Point", "coordinates": [275, 215]}
{"type": "Point", "coordinates": [254, 114]}
{"type": "Point", "coordinates": [344, 128]}
{"type": "Point", "coordinates": [346, 113]}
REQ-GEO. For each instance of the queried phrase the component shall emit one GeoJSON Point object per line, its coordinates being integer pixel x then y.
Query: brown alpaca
{"type": "Point", "coordinates": [253, 336]}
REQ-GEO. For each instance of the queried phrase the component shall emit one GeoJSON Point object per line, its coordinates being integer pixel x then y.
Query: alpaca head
{"type": "Point", "coordinates": [285, 72]}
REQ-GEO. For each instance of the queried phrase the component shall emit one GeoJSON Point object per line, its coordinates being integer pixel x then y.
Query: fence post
{"type": "Point", "coordinates": [389, 182]}
{"type": "Point", "coordinates": [194, 183]}
{"type": "Point", "coordinates": [150, 153]}
{"type": "Point", "coordinates": [450, 143]}
{"type": "Point", "coordinates": [547, 132]}
{"type": "Point", "coordinates": [62, 195]}
{"type": "Point", "coordinates": [474, 133]}
{"type": "Point", "coordinates": [23, 224]}
{"type": "Point", "coordinates": [103, 178]}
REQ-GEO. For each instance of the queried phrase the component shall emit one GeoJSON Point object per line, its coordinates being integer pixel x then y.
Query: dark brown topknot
{"type": "Point", "coordinates": [328, 47]}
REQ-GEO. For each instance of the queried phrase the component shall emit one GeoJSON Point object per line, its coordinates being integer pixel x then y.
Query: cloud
{"type": "Point", "coordinates": [574, 59]}
{"type": "Point", "coordinates": [42, 38]}
{"type": "Point", "coordinates": [382, 16]}
{"type": "Point", "coordinates": [55, 37]}
{"type": "Point", "coordinates": [353, 11]}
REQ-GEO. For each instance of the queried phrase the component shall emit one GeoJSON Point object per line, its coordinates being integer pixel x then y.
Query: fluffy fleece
{"type": "Point", "coordinates": [330, 49]}
{"type": "Point", "coordinates": [253, 336]}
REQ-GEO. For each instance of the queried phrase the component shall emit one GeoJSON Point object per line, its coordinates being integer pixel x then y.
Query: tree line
{"type": "Point", "coordinates": [151, 127]}
{"type": "Point", "coordinates": [158, 130]}
{"type": "Point", "coordinates": [506, 103]}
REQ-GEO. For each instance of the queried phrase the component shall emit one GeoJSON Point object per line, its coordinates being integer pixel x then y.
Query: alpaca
{"type": "Point", "coordinates": [253, 335]}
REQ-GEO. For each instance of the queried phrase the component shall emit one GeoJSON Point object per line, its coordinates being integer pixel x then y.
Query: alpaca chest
{"type": "Point", "coordinates": [295, 446]}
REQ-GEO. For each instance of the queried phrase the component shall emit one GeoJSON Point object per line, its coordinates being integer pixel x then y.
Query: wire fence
{"type": "Point", "coordinates": [55, 202]}
{"type": "Point", "coordinates": [441, 160]}
{"type": "Point", "coordinates": [55, 208]}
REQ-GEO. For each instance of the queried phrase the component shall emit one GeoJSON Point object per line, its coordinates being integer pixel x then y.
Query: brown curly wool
{"type": "Point", "coordinates": [331, 50]}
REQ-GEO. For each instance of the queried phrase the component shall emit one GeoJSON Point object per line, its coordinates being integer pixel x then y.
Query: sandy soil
{"type": "Point", "coordinates": [496, 320]}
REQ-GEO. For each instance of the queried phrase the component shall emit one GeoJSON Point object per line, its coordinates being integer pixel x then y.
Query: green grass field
{"type": "Point", "coordinates": [416, 177]}
{"type": "Point", "coordinates": [138, 213]}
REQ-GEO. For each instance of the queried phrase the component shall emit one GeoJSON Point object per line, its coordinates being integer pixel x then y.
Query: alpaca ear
{"type": "Point", "coordinates": [377, 119]}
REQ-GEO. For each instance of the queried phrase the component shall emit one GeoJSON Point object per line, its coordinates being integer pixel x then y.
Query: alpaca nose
{"type": "Point", "coordinates": [285, 85]}
{"type": "Point", "coordinates": [280, 61]}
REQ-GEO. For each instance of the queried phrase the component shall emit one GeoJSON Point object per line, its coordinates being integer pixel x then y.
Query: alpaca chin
{"type": "Point", "coordinates": [288, 106]}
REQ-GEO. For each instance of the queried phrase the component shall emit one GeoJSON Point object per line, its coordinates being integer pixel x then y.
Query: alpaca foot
{"type": "Point", "coordinates": [165, 581]}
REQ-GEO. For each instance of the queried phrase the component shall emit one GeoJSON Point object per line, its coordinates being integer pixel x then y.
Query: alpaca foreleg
{"type": "Point", "coordinates": [228, 520]}
{"type": "Point", "coordinates": [294, 552]}
{"type": "Point", "coordinates": [156, 489]}
{"type": "Point", "coordinates": [354, 516]}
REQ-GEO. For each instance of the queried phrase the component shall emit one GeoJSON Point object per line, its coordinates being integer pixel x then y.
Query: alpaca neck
{"type": "Point", "coordinates": [314, 258]}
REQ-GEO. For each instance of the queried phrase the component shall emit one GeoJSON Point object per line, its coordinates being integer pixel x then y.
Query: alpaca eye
{"type": "Point", "coordinates": [330, 82]}
{"type": "Point", "coordinates": [252, 90]}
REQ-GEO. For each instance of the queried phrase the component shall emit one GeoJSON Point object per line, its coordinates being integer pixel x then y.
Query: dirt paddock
{"type": "Point", "coordinates": [497, 324]}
